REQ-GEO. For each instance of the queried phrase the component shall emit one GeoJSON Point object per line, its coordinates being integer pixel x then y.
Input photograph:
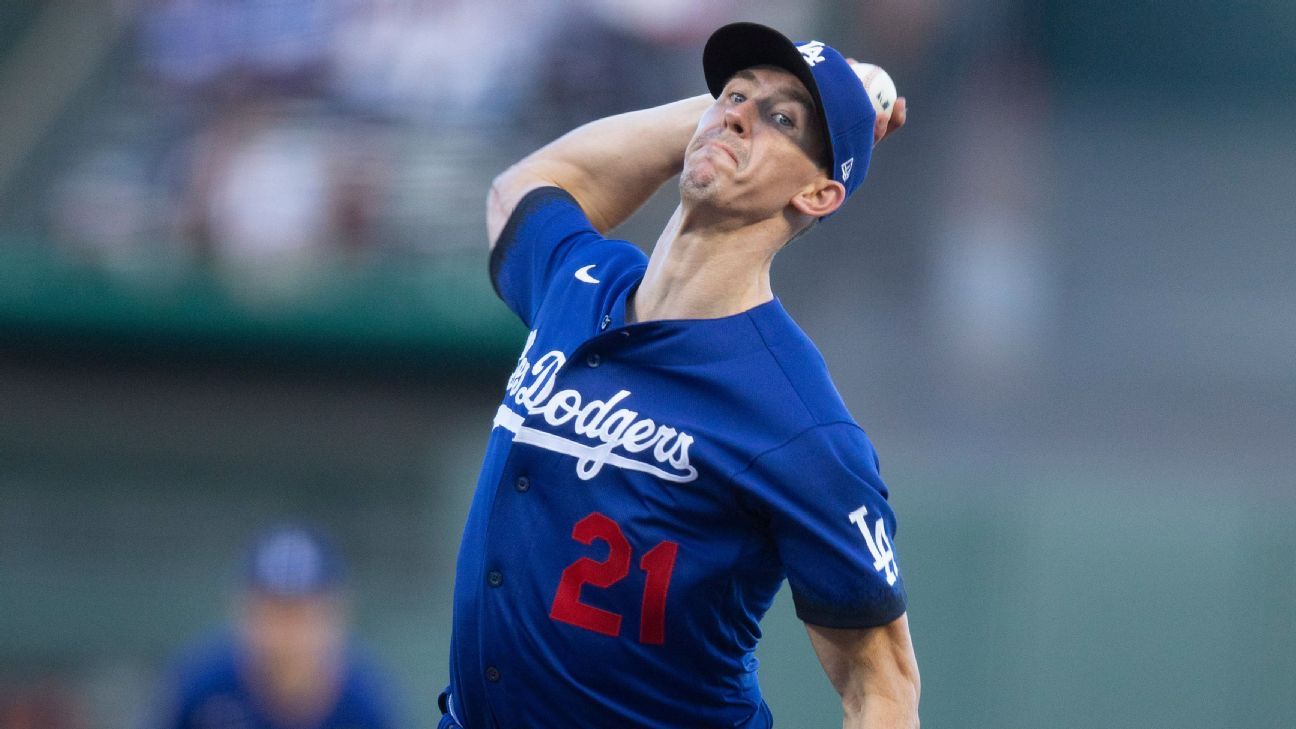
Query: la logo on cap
{"type": "Point", "coordinates": [813, 52]}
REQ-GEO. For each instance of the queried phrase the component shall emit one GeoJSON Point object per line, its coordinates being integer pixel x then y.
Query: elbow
{"type": "Point", "coordinates": [507, 190]}
{"type": "Point", "coordinates": [501, 198]}
{"type": "Point", "coordinates": [502, 182]}
{"type": "Point", "coordinates": [495, 210]}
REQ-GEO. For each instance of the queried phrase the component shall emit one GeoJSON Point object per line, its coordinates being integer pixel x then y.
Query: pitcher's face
{"type": "Point", "coordinates": [756, 147]}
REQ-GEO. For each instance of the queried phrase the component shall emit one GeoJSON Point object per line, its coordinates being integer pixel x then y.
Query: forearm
{"type": "Point", "coordinates": [875, 673]}
{"type": "Point", "coordinates": [883, 712]}
{"type": "Point", "coordinates": [879, 700]}
{"type": "Point", "coordinates": [611, 166]}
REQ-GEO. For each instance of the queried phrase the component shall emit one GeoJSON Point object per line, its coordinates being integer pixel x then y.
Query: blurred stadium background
{"type": "Point", "coordinates": [242, 278]}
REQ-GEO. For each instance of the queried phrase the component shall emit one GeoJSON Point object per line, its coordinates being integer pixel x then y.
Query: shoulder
{"type": "Point", "coordinates": [600, 273]}
{"type": "Point", "coordinates": [547, 243]}
{"type": "Point", "coordinates": [801, 370]}
{"type": "Point", "coordinates": [538, 206]}
{"type": "Point", "coordinates": [542, 213]}
{"type": "Point", "coordinates": [770, 390]}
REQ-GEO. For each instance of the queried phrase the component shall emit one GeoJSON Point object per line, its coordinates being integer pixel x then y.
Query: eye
{"type": "Point", "coordinates": [736, 97]}
{"type": "Point", "coordinates": [783, 120]}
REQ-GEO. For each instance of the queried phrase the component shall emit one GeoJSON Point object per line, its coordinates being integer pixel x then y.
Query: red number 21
{"type": "Point", "coordinates": [657, 562]}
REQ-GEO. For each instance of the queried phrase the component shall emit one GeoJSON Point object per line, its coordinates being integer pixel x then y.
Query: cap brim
{"type": "Point", "coordinates": [738, 46]}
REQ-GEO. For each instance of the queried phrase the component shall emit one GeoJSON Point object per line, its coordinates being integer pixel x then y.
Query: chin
{"type": "Point", "coordinates": [698, 183]}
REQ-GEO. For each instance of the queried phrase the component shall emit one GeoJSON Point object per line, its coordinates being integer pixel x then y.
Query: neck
{"type": "Point", "coordinates": [705, 271]}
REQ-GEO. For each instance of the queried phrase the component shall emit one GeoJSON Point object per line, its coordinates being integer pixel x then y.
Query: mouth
{"type": "Point", "coordinates": [732, 155]}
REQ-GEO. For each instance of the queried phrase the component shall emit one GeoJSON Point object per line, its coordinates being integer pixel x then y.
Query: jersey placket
{"type": "Point", "coordinates": [516, 482]}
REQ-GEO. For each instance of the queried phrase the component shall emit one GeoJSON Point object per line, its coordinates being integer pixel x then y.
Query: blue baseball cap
{"type": "Point", "coordinates": [293, 561]}
{"type": "Point", "coordinates": [845, 113]}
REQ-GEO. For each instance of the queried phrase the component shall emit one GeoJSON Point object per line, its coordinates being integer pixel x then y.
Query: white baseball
{"type": "Point", "coordinates": [877, 82]}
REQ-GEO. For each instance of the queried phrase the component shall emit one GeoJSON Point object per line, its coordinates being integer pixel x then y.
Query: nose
{"type": "Point", "coordinates": [735, 118]}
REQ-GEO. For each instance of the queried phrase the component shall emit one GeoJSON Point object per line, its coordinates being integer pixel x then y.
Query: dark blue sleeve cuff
{"type": "Point", "coordinates": [530, 202]}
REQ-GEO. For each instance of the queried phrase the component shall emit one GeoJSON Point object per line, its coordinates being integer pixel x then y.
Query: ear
{"type": "Point", "coordinates": [819, 198]}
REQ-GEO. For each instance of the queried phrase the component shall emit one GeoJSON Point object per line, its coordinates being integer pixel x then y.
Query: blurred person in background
{"type": "Point", "coordinates": [287, 661]}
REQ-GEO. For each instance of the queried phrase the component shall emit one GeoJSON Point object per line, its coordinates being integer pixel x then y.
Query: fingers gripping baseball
{"type": "Point", "coordinates": [890, 121]}
{"type": "Point", "coordinates": [890, 109]}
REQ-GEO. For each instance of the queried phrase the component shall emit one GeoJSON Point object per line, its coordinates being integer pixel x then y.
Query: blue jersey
{"type": "Point", "coordinates": [212, 691]}
{"type": "Point", "coordinates": [646, 489]}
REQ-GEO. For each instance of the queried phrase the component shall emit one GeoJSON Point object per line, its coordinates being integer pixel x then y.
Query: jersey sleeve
{"type": "Point", "coordinates": [827, 513]}
{"type": "Point", "coordinates": [546, 228]}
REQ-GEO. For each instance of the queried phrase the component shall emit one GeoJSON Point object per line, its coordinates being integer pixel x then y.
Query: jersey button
{"type": "Point", "coordinates": [495, 578]}
{"type": "Point", "coordinates": [521, 484]}
{"type": "Point", "coordinates": [593, 360]}
{"type": "Point", "coordinates": [492, 674]}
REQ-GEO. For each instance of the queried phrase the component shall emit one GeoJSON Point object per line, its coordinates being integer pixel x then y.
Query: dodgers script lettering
{"type": "Point", "coordinates": [606, 432]}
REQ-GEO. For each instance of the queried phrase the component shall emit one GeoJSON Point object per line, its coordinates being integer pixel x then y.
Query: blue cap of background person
{"type": "Point", "coordinates": [293, 561]}
{"type": "Point", "coordinates": [845, 113]}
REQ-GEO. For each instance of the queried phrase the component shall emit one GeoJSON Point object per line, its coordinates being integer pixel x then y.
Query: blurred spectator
{"type": "Point", "coordinates": [270, 194]}
{"type": "Point", "coordinates": [456, 63]}
{"type": "Point", "coordinates": [238, 46]}
{"type": "Point", "coordinates": [611, 56]}
{"type": "Point", "coordinates": [287, 662]}
{"type": "Point", "coordinates": [276, 146]}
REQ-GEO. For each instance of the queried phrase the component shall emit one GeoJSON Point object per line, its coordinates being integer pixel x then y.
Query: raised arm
{"type": "Point", "coordinates": [875, 672]}
{"type": "Point", "coordinates": [611, 166]}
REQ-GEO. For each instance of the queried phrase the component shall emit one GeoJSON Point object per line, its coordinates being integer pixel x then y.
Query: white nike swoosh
{"type": "Point", "coordinates": [583, 274]}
